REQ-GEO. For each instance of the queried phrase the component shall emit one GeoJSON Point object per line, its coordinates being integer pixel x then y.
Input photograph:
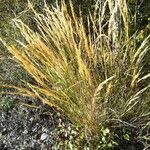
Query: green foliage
{"type": "Point", "coordinates": [105, 140]}
{"type": "Point", "coordinates": [73, 138]}
{"type": "Point", "coordinates": [6, 104]}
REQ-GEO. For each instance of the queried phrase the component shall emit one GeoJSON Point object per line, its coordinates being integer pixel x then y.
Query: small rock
{"type": "Point", "coordinates": [25, 131]}
{"type": "Point", "coordinates": [31, 119]}
{"type": "Point", "coordinates": [43, 136]}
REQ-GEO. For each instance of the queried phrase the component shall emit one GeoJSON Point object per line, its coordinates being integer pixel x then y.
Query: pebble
{"type": "Point", "coordinates": [25, 131]}
{"type": "Point", "coordinates": [44, 136]}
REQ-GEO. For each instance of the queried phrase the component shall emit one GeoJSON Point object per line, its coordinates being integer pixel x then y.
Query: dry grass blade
{"type": "Point", "coordinates": [101, 85]}
{"type": "Point", "coordinates": [144, 77]}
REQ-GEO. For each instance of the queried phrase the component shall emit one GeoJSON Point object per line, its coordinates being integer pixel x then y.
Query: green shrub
{"type": "Point", "coordinates": [91, 74]}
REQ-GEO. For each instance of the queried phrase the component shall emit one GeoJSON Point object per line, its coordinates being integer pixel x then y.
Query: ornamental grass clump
{"type": "Point", "coordinates": [88, 69]}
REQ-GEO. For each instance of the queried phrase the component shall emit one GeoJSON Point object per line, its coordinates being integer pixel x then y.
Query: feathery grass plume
{"type": "Point", "coordinates": [93, 71]}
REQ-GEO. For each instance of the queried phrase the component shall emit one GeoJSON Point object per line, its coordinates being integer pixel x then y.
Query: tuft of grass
{"type": "Point", "coordinates": [89, 72]}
